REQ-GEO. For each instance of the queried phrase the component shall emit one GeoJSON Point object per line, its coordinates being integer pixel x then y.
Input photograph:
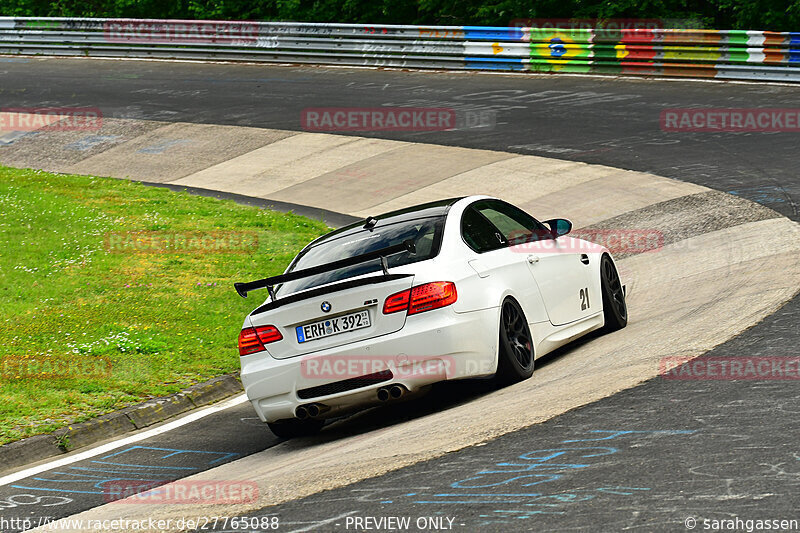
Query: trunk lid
{"type": "Point", "coordinates": [345, 298]}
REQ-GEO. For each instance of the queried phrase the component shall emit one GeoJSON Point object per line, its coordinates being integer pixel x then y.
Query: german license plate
{"type": "Point", "coordinates": [333, 326]}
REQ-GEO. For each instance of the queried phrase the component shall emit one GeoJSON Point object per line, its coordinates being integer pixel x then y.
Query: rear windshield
{"type": "Point", "coordinates": [426, 233]}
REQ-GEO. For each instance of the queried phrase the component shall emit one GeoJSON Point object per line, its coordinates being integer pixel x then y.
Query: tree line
{"type": "Point", "coordinates": [776, 15]}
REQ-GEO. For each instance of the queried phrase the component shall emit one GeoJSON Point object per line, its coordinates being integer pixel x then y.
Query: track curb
{"type": "Point", "coordinates": [331, 218]}
{"type": "Point", "coordinates": [67, 439]}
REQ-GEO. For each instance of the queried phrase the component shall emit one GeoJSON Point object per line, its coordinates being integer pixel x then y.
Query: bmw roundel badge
{"type": "Point", "coordinates": [326, 307]}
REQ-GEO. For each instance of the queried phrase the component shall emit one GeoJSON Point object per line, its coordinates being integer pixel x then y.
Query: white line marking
{"type": "Point", "coordinates": [196, 415]}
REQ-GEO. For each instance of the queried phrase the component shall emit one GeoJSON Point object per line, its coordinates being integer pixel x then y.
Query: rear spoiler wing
{"type": "Point", "coordinates": [269, 283]}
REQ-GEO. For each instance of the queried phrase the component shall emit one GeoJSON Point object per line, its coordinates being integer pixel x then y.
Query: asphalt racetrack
{"type": "Point", "coordinates": [649, 458]}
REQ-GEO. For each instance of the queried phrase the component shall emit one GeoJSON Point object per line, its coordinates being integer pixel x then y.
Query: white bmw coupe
{"type": "Point", "coordinates": [381, 309]}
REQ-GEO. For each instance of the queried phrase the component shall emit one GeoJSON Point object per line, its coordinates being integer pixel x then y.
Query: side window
{"type": "Point", "coordinates": [514, 224]}
{"type": "Point", "coordinates": [478, 233]}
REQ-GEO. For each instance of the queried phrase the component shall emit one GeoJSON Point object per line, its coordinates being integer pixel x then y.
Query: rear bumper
{"type": "Point", "coordinates": [434, 346]}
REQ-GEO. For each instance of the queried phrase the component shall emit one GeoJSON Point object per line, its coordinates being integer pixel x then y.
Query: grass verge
{"type": "Point", "coordinates": [113, 292]}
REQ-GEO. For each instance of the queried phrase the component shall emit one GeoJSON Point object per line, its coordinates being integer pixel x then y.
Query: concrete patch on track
{"type": "Point", "coordinates": [386, 176]}
{"type": "Point", "coordinates": [15, 126]}
{"type": "Point", "coordinates": [503, 179]}
{"type": "Point", "coordinates": [609, 195]}
{"type": "Point", "coordinates": [10, 137]}
{"type": "Point", "coordinates": [756, 241]}
{"type": "Point", "coordinates": [688, 216]}
{"type": "Point", "coordinates": [288, 162]}
{"type": "Point", "coordinates": [176, 150]}
{"type": "Point", "coordinates": [58, 151]}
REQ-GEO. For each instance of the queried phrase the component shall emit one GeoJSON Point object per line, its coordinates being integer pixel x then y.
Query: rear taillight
{"type": "Point", "coordinates": [252, 340]}
{"type": "Point", "coordinates": [396, 302]}
{"type": "Point", "coordinates": [268, 334]}
{"type": "Point", "coordinates": [249, 342]}
{"type": "Point", "coordinates": [432, 296]}
{"type": "Point", "coordinates": [422, 298]}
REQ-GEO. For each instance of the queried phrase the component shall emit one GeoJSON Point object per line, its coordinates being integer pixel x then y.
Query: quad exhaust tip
{"type": "Point", "coordinates": [391, 392]}
{"type": "Point", "coordinates": [311, 410]}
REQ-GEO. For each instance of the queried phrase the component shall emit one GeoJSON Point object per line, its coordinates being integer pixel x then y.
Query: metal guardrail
{"type": "Point", "coordinates": [722, 54]}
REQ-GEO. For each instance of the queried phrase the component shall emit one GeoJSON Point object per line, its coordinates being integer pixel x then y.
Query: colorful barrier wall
{"type": "Point", "coordinates": [734, 54]}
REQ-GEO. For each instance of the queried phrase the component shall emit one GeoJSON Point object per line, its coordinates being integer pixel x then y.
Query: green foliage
{"type": "Point", "coordinates": [62, 441]}
{"type": "Point", "coordinates": [88, 327]}
{"type": "Point", "coordinates": [778, 15]}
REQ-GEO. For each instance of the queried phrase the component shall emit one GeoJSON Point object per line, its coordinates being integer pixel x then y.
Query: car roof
{"type": "Point", "coordinates": [426, 210]}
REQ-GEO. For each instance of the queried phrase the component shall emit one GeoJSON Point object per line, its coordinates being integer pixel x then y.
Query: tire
{"type": "Point", "coordinates": [615, 310]}
{"type": "Point", "coordinates": [515, 357]}
{"type": "Point", "coordinates": [292, 428]}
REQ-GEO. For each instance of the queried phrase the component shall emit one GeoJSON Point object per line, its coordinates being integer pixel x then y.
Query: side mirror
{"type": "Point", "coordinates": [558, 226]}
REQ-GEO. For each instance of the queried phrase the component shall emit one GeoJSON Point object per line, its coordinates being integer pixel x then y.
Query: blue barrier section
{"type": "Point", "coordinates": [492, 33]}
{"type": "Point", "coordinates": [495, 63]}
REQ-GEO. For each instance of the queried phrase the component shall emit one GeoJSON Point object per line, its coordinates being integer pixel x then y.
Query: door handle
{"type": "Point", "coordinates": [584, 259]}
{"type": "Point", "coordinates": [533, 259]}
